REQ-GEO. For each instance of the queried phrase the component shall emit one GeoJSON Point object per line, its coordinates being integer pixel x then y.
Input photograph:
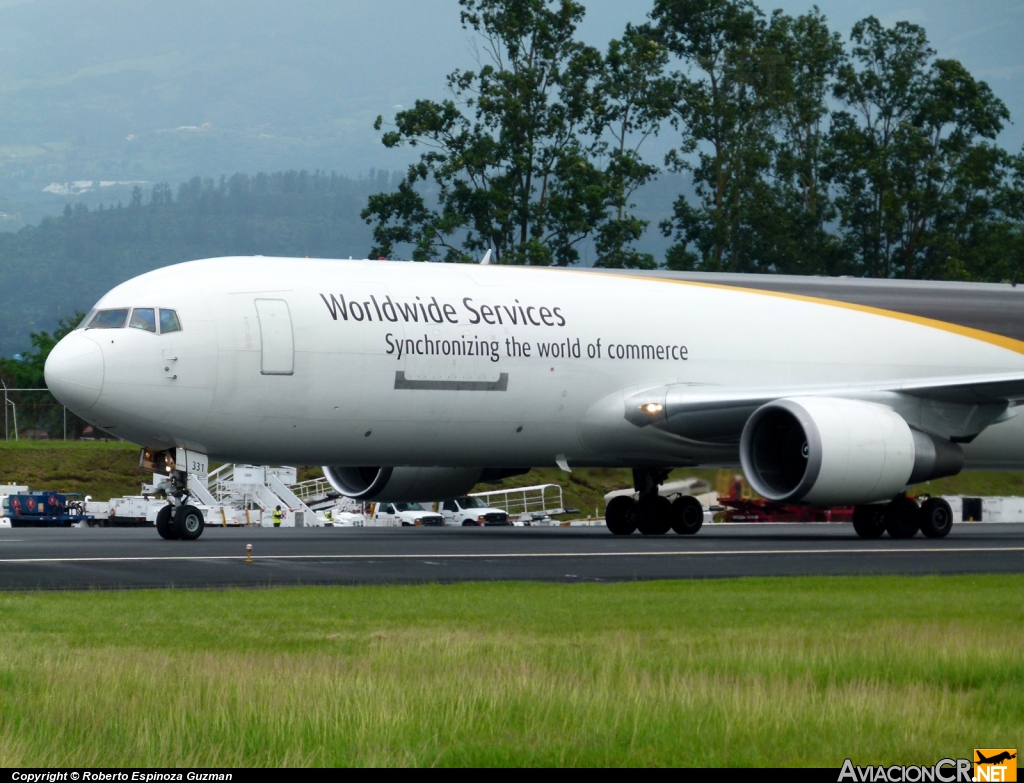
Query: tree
{"type": "Point", "coordinates": [1011, 206]}
{"type": "Point", "coordinates": [916, 181]}
{"type": "Point", "coordinates": [725, 112]}
{"type": "Point", "coordinates": [632, 97]}
{"type": "Point", "coordinates": [38, 410]}
{"type": "Point", "coordinates": [509, 161]}
{"type": "Point", "coordinates": [794, 237]}
{"type": "Point", "coordinates": [27, 372]}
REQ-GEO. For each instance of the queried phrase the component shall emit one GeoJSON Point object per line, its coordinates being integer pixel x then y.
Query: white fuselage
{"type": "Point", "coordinates": [305, 361]}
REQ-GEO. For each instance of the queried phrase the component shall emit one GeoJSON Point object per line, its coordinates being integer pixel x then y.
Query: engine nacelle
{"type": "Point", "coordinates": [832, 451]}
{"type": "Point", "coordinates": [410, 485]}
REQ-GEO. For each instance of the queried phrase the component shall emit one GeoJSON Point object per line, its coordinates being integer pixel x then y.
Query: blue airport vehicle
{"type": "Point", "coordinates": [44, 509]}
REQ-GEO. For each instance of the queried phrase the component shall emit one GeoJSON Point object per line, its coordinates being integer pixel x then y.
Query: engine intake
{"type": "Point", "coordinates": [358, 483]}
{"type": "Point", "coordinates": [410, 485]}
{"type": "Point", "coordinates": [833, 451]}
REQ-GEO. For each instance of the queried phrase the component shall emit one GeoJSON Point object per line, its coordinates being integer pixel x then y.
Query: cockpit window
{"type": "Point", "coordinates": [169, 322]}
{"type": "Point", "coordinates": [109, 319]}
{"type": "Point", "coordinates": [143, 318]}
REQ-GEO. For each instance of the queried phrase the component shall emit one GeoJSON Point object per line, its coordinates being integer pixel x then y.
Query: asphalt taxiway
{"type": "Point", "coordinates": [86, 558]}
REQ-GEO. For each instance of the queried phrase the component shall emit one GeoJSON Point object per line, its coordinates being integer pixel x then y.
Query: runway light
{"type": "Point", "coordinates": [652, 408]}
{"type": "Point", "coordinates": [248, 553]}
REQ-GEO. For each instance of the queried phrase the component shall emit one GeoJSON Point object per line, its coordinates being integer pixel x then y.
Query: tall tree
{"type": "Point", "coordinates": [795, 236]}
{"type": "Point", "coordinates": [725, 113]}
{"type": "Point", "coordinates": [509, 159]}
{"type": "Point", "coordinates": [631, 99]}
{"type": "Point", "coordinates": [1011, 205]}
{"type": "Point", "coordinates": [916, 179]}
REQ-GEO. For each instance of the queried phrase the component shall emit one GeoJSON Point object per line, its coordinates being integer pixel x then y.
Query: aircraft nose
{"type": "Point", "coordinates": [74, 372]}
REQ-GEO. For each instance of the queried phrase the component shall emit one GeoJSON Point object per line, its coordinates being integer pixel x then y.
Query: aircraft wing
{"type": "Point", "coordinates": [978, 390]}
{"type": "Point", "coordinates": [964, 404]}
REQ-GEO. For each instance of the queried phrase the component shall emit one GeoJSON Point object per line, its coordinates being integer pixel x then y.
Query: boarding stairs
{"type": "Point", "coordinates": [262, 485]}
{"type": "Point", "coordinates": [314, 491]}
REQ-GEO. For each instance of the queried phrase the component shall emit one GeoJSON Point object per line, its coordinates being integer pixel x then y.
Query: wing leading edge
{"type": "Point", "coordinates": [957, 408]}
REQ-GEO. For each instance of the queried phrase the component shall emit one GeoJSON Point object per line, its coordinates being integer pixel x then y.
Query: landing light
{"type": "Point", "coordinates": [652, 408]}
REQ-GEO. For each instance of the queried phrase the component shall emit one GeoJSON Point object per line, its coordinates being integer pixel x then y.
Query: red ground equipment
{"type": "Point", "coordinates": [754, 509]}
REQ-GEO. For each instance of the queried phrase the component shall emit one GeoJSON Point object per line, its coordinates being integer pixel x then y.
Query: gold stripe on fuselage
{"type": "Point", "coordinates": [1009, 343]}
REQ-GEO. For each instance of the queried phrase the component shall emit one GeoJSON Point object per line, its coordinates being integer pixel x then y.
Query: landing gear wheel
{"type": "Point", "coordinates": [869, 521]}
{"type": "Point", "coordinates": [687, 515]}
{"type": "Point", "coordinates": [188, 522]}
{"type": "Point", "coordinates": [936, 518]}
{"type": "Point", "coordinates": [618, 516]}
{"type": "Point", "coordinates": [653, 516]}
{"type": "Point", "coordinates": [902, 518]}
{"type": "Point", "coordinates": [164, 526]}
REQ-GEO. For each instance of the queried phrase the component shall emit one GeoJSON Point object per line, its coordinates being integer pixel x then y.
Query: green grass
{"type": "Point", "coordinates": [801, 671]}
{"type": "Point", "coordinates": [101, 469]}
{"type": "Point", "coordinates": [978, 482]}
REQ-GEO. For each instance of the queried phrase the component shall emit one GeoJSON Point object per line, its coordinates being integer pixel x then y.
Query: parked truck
{"type": "Point", "coordinates": [402, 515]}
{"type": "Point", "coordinates": [472, 511]}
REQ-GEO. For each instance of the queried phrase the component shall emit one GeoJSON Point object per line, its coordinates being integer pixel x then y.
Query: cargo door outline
{"type": "Point", "coordinates": [277, 340]}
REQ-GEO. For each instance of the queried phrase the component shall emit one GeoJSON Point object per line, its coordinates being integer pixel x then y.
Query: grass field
{"type": "Point", "coordinates": [106, 470]}
{"type": "Point", "coordinates": [740, 672]}
{"type": "Point", "coordinates": [101, 469]}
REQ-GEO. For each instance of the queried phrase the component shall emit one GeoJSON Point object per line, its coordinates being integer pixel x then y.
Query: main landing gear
{"type": "Point", "coordinates": [652, 514]}
{"type": "Point", "coordinates": [179, 520]}
{"type": "Point", "coordinates": [902, 518]}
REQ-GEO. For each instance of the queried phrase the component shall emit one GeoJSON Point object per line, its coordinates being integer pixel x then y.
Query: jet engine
{"type": "Point", "coordinates": [409, 485]}
{"type": "Point", "coordinates": [832, 451]}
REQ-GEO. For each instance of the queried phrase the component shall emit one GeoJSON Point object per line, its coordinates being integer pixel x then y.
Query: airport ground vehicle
{"type": "Point", "coordinates": [43, 509]}
{"type": "Point", "coordinates": [472, 512]}
{"type": "Point", "coordinates": [130, 510]}
{"type": "Point", "coordinates": [405, 515]}
{"type": "Point", "coordinates": [828, 391]}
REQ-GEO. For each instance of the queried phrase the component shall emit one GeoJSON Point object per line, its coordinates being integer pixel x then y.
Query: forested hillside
{"type": "Point", "coordinates": [66, 263]}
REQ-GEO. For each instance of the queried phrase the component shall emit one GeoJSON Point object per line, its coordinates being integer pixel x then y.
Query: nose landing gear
{"type": "Point", "coordinates": [652, 514]}
{"type": "Point", "coordinates": [164, 524]}
{"type": "Point", "coordinates": [179, 520]}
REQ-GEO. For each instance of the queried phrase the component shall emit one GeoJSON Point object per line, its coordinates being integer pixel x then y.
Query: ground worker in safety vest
{"type": "Point", "coordinates": [277, 517]}
{"type": "Point", "coordinates": [328, 515]}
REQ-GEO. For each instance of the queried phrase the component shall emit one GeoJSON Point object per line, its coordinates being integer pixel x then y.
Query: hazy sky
{"type": "Point", "coordinates": [290, 84]}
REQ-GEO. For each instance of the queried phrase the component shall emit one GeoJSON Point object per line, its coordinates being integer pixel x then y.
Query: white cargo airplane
{"type": "Point", "coordinates": [414, 381]}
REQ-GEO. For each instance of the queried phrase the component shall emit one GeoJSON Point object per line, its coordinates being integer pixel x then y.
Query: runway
{"type": "Point", "coordinates": [87, 558]}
